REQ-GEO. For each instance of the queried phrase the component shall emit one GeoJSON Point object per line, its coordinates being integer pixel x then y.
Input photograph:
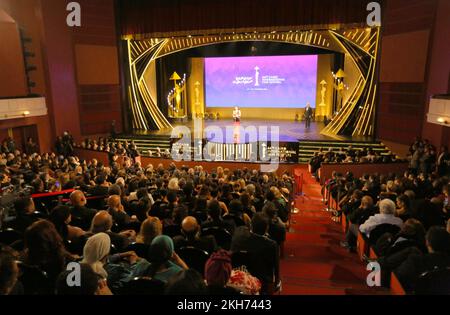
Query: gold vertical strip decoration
{"type": "Point", "coordinates": [364, 92]}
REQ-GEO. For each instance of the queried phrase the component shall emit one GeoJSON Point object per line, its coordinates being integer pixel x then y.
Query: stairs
{"type": "Point", "coordinates": [149, 142]}
{"type": "Point", "coordinates": [306, 149]}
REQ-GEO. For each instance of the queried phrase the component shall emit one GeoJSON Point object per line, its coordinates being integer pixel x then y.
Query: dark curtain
{"type": "Point", "coordinates": [174, 17]}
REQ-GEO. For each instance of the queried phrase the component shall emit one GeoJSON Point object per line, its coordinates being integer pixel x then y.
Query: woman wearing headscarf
{"type": "Point", "coordinates": [116, 269]}
{"type": "Point", "coordinates": [165, 263]}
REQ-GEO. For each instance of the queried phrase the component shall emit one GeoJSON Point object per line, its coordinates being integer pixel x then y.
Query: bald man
{"type": "Point", "coordinates": [103, 222]}
{"type": "Point", "coordinates": [81, 215]}
{"type": "Point", "coordinates": [116, 210]}
{"type": "Point", "coordinates": [191, 237]}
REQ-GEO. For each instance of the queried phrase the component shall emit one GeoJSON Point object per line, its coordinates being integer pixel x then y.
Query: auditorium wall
{"type": "Point", "coordinates": [77, 68]}
{"type": "Point", "coordinates": [414, 65]}
{"type": "Point", "coordinates": [12, 73]}
{"type": "Point", "coordinates": [439, 72]}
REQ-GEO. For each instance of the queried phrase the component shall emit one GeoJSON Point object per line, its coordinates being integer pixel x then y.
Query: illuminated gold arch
{"type": "Point", "coordinates": [358, 44]}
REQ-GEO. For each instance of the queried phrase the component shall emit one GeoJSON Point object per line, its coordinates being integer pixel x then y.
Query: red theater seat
{"type": "Point", "coordinates": [362, 246]}
{"type": "Point", "coordinates": [396, 286]}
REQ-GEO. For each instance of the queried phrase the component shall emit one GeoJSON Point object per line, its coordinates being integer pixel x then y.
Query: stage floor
{"type": "Point", "coordinates": [289, 131]}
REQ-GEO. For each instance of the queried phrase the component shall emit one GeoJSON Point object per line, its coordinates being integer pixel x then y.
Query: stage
{"type": "Point", "coordinates": [289, 131]}
{"type": "Point", "coordinates": [227, 140]}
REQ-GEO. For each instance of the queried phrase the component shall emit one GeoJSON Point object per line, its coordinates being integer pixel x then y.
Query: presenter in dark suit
{"type": "Point", "coordinates": [308, 115]}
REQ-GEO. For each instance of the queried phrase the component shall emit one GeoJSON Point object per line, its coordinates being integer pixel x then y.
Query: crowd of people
{"type": "Point", "coordinates": [349, 155]}
{"type": "Point", "coordinates": [424, 158]}
{"type": "Point", "coordinates": [404, 217]}
{"type": "Point", "coordinates": [118, 148]}
{"type": "Point", "coordinates": [123, 222]}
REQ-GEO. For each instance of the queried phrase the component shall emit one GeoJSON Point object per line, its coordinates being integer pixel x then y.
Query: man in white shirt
{"type": "Point", "coordinates": [236, 114]}
{"type": "Point", "coordinates": [386, 216]}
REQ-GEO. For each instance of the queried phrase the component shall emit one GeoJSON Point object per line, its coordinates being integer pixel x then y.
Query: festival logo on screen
{"type": "Point", "coordinates": [258, 81]}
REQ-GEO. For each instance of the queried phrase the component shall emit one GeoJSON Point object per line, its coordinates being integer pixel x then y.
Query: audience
{"type": "Point", "coordinates": [407, 208]}
{"type": "Point", "coordinates": [111, 207]}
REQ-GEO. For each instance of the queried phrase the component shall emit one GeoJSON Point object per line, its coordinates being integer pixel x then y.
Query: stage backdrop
{"type": "Point", "coordinates": [261, 82]}
{"type": "Point", "coordinates": [228, 96]}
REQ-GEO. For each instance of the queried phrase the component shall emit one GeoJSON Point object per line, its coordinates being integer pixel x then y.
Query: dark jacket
{"type": "Point", "coordinates": [98, 190]}
{"type": "Point", "coordinates": [360, 215]}
{"type": "Point", "coordinates": [82, 216]}
{"type": "Point", "coordinates": [263, 250]}
{"type": "Point", "coordinates": [206, 243]}
{"type": "Point", "coordinates": [121, 218]}
{"type": "Point", "coordinates": [228, 225]}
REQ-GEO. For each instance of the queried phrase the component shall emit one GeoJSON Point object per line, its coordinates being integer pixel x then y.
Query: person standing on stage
{"type": "Point", "coordinates": [236, 114]}
{"type": "Point", "coordinates": [308, 115]}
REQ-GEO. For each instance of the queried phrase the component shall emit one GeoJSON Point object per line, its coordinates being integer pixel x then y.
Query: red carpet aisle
{"type": "Point", "coordinates": [314, 262]}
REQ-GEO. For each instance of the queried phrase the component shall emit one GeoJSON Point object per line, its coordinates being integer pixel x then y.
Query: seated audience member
{"type": "Point", "coordinates": [24, 207]}
{"type": "Point", "coordinates": [215, 218]}
{"type": "Point", "coordinates": [410, 263]}
{"type": "Point", "coordinates": [90, 283]}
{"type": "Point", "coordinates": [281, 206]}
{"type": "Point", "coordinates": [261, 248]}
{"type": "Point", "coordinates": [44, 248]}
{"type": "Point", "coordinates": [100, 188]}
{"type": "Point", "coordinates": [404, 210]}
{"type": "Point", "coordinates": [215, 195]}
{"type": "Point", "coordinates": [191, 237]}
{"type": "Point", "coordinates": [164, 262]}
{"type": "Point", "coordinates": [248, 208]}
{"type": "Point", "coordinates": [117, 211]}
{"type": "Point", "coordinates": [277, 229]}
{"type": "Point", "coordinates": [186, 282]}
{"type": "Point", "coordinates": [103, 222]}
{"type": "Point", "coordinates": [150, 228]}
{"type": "Point", "coordinates": [353, 203]}
{"type": "Point", "coordinates": [179, 213]}
{"type": "Point", "coordinates": [159, 206]}
{"type": "Point", "coordinates": [386, 216]}
{"type": "Point", "coordinates": [79, 209]}
{"type": "Point", "coordinates": [200, 208]}
{"type": "Point", "coordinates": [217, 274]}
{"type": "Point", "coordinates": [236, 210]}
{"type": "Point", "coordinates": [9, 271]}
{"type": "Point", "coordinates": [355, 219]}
{"type": "Point", "coordinates": [429, 212]}
{"type": "Point", "coordinates": [61, 217]}
{"type": "Point", "coordinates": [412, 234]}
{"type": "Point", "coordinates": [96, 254]}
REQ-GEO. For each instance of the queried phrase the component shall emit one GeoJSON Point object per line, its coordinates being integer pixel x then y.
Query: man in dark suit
{"type": "Point", "coordinates": [81, 215]}
{"type": "Point", "coordinates": [262, 250]}
{"type": "Point", "coordinates": [410, 263]}
{"type": "Point", "coordinates": [215, 219]}
{"type": "Point", "coordinates": [308, 115]}
{"type": "Point", "coordinates": [100, 188]}
{"type": "Point", "coordinates": [24, 208]}
{"type": "Point", "coordinates": [191, 237]}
